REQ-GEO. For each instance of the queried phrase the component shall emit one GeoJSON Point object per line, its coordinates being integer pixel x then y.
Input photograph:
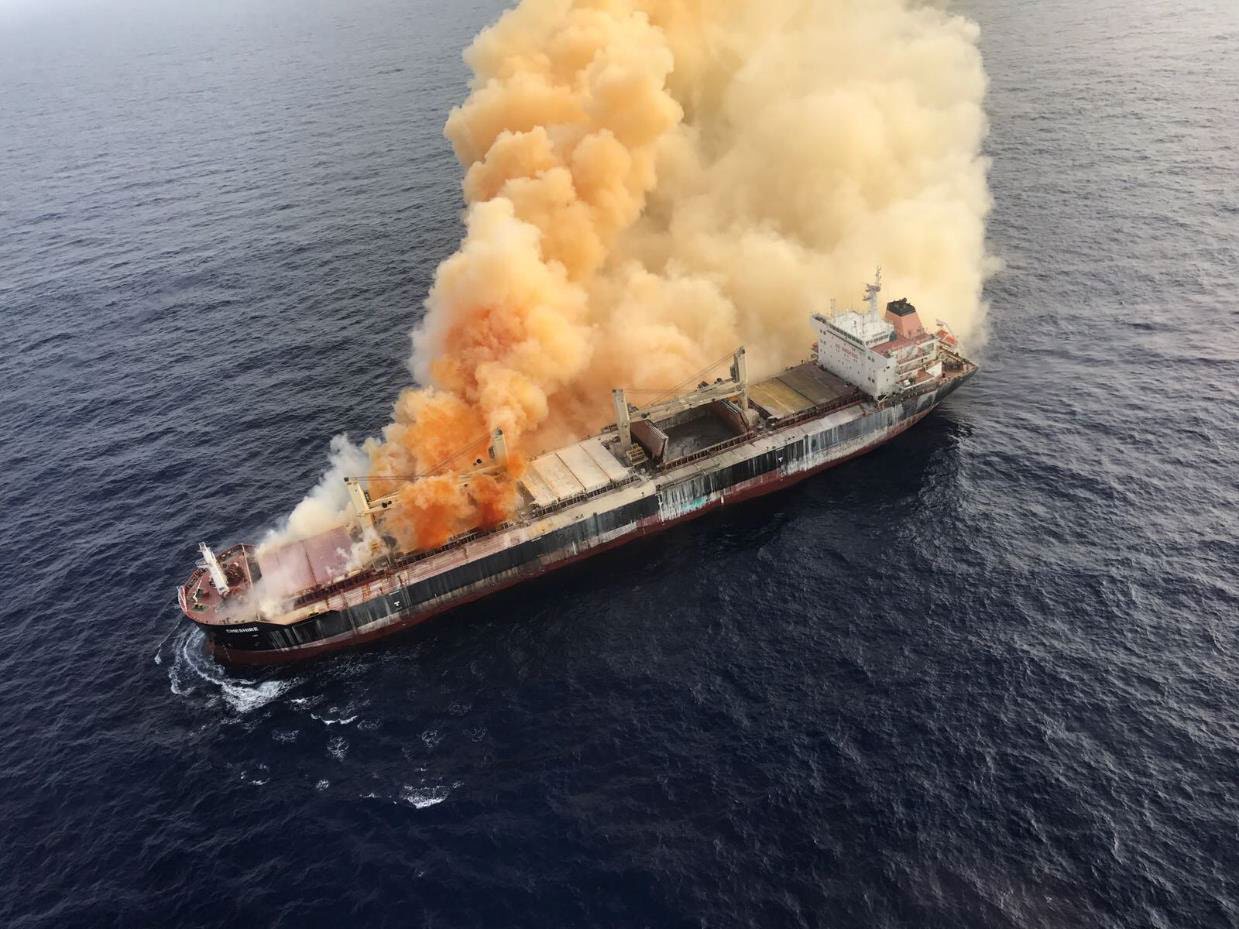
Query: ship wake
{"type": "Point", "coordinates": [193, 676]}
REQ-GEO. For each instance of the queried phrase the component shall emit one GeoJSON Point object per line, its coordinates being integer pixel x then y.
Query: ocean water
{"type": "Point", "coordinates": [985, 677]}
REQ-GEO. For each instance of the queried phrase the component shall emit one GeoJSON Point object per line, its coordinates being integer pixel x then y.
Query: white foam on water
{"type": "Point", "coordinates": [245, 699]}
{"type": "Point", "coordinates": [192, 670]}
{"type": "Point", "coordinates": [260, 777]}
{"type": "Point", "coordinates": [338, 747]}
{"type": "Point", "coordinates": [422, 797]}
{"type": "Point", "coordinates": [332, 722]}
{"type": "Point", "coordinates": [419, 796]}
{"type": "Point", "coordinates": [174, 634]}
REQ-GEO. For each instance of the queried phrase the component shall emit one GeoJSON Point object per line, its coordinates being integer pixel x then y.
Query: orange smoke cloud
{"type": "Point", "coordinates": [651, 183]}
{"type": "Point", "coordinates": [558, 138]}
{"type": "Point", "coordinates": [428, 512]}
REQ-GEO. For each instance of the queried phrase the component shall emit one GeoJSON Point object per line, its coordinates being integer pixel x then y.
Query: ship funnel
{"type": "Point", "coordinates": [903, 317]}
{"type": "Point", "coordinates": [217, 571]}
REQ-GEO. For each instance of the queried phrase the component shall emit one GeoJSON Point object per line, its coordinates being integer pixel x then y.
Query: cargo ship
{"type": "Point", "coordinates": [870, 376]}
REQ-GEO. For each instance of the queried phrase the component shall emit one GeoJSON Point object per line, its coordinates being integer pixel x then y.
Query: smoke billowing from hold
{"type": "Point", "coordinates": [560, 139]}
{"type": "Point", "coordinates": [651, 183]}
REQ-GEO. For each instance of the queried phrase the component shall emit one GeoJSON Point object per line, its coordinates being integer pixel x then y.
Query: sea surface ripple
{"type": "Point", "coordinates": [985, 677]}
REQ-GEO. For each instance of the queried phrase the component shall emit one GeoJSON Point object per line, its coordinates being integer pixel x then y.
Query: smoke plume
{"type": "Point", "coordinates": [652, 183]}
{"type": "Point", "coordinates": [325, 506]}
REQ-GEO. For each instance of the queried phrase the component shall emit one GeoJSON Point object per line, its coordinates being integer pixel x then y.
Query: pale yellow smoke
{"type": "Point", "coordinates": [560, 138]}
{"type": "Point", "coordinates": [651, 183]}
{"type": "Point", "coordinates": [821, 138]}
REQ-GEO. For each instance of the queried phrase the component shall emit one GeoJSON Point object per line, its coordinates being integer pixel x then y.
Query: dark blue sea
{"type": "Point", "coordinates": [986, 677]}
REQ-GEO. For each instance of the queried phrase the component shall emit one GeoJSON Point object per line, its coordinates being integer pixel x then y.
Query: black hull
{"type": "Point", "coordinates": [806, 454]}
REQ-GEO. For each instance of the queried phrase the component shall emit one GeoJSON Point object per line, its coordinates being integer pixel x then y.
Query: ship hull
{"type": "Point", "coordinates": [804, 453]}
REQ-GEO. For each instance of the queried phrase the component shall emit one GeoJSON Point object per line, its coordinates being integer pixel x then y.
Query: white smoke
{"type": "Point", "coordinates": [328, 504]}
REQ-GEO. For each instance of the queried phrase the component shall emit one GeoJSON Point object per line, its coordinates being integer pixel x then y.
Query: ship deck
{"type": "Point", "coordinates": [798, 390]}
{"type": "Point", "coordinates": [561, 487]}
{"type": "Point", "coordinates": [201, 600]}
{"type": "Point", "coordinates": [567, 473]}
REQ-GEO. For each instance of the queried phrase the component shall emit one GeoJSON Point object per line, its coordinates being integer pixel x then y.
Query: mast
{"type": "Point", "coordinates": [622, 419]}
{"type": "Point", "coordinates": [871, 293]}
{"type": "Point", "coordinates": [740, 374]}
{"type": "Point", "coordinates": [361, 501]}
{"type": "Point", "coordinates": [499, 448]}
{"type": "Point", "coordinates": [217, 571]}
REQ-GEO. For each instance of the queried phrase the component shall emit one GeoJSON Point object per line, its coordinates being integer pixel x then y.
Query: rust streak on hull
{"type": "Point", "coordinates": [758, 487]}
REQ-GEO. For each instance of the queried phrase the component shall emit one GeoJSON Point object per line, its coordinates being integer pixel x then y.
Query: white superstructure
{"type": "Point", "coordinates": [878, 353]}
{"type": "Point", "coordinates": [845, 348]}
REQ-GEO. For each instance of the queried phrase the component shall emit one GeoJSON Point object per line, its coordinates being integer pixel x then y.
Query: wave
{"type": "Point", "coordinates": [422, 797]}
{"type": "Point", "coordinates": [191, 673]}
